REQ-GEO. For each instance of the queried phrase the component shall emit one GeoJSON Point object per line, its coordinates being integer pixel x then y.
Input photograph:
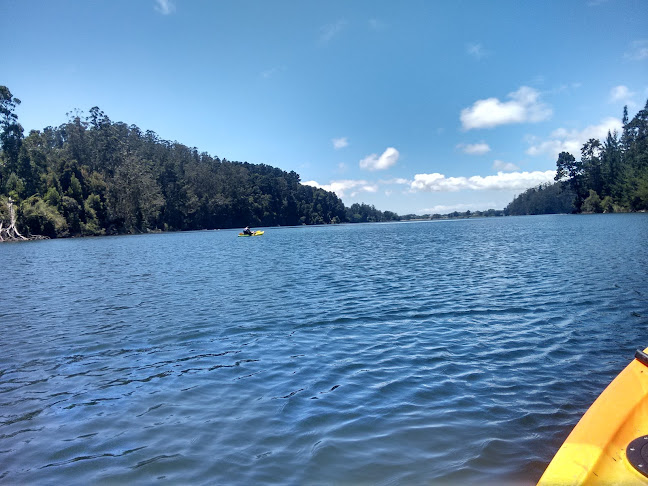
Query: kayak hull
{"type": "Point", "coordinates": [599, 450]}
{"type": "Point", "coordinates": [256, 233]}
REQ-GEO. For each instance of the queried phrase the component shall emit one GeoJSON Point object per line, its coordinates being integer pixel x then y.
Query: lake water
{"type": "Point", "coordinates": [408, 353]}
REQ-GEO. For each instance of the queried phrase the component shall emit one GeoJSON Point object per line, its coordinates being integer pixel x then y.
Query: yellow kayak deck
{"type": "Point", "coordinates": [599, 449]}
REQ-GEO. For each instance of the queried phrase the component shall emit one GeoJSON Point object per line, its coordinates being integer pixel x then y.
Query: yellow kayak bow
{"type": "Point", "coordinates": [610, 443]}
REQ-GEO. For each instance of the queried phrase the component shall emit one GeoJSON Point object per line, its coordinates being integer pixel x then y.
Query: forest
{"type": "Point", "coordinates": [611, 176]}
{"type": "Point", "coordinates": [93, 176]}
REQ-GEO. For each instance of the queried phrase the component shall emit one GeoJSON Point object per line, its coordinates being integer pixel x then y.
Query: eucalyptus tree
{"type": "Point", "coordinates": [591, 163]}
{"type": "Point", "coordinates": [11, 132]}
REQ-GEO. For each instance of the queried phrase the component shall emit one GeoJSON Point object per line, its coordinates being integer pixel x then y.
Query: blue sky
{"type": "Point", "coordinates": [415, 107]}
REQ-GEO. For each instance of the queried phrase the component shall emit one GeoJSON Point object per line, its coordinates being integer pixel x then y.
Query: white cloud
{"type": "Point", "coordinates": [525, 106]}
{"type": "Point", "coordinates": [445, 209]}
{"type": "Point", "coordinates": [165, 7]}
{"type": "Point", "coordinates": [476, 50]}
{"type": "Point", "coordinates": [565, 88]}
{"type": "Point", "coordinates": [385, 161]}
{"type": "Point", "coordinates": [474, 149]}
{"type": "Point", "coordinates": [505, 166]}
{"type": "Point", "coordinates": [339, 143]}
{"type": "Point", "coordinates": [350, 187]}
{"type": "Point", "coordinates": [398, 180]}
{"type": "Point", "coordinates": [345, 187]}
{"type": "Point", "coordinates": [621, 93]}
{"type": "Point", "coordinates": [269, 73]}
{"type": "Point", "coordinates": [502, 181]}
{"type": "Point", "coordinates": [329, 31]}
{"type": "Point", "coordinates": [512, 181]}
{"type": "Point", "coordinates": [638, 50]}
{"type": "Point", "coordinates": [563, 140]}
{"type": "Point", "coordinates": [375, 24]}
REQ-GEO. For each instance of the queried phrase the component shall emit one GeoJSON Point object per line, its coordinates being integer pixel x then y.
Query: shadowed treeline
{"type": "Point", "coordinates": [93, 176]}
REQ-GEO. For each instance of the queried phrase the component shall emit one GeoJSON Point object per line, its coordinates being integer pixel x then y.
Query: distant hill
{"type": "Point", "coordinates": [93, 176]}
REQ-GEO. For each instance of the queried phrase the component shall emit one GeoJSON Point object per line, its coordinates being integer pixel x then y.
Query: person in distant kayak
{"type": "Point", "coordinates": [247, 231]}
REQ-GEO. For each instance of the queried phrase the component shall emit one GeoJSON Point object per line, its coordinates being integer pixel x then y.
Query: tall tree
{"type": "Point", "coordinates": [11, 132]}
{"type": "Point", "coordinates": [135, 196]}
{"type": "Point", "coordinates": [591, 163]}
{"type": "Point", "coordinates": [568, 166]}
{"type": "Point", "coordinates": [611, 165]}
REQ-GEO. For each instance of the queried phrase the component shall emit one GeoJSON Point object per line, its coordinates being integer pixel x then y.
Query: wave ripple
{"type": "Point", "coordinates": [445, 352]}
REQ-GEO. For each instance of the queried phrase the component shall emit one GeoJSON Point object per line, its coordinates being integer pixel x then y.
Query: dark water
{"type": "Point", "coordinates": [411, 353]}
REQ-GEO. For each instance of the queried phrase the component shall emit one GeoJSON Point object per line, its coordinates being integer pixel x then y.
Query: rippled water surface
{"type": "Point", "coordinates": [408, 353]}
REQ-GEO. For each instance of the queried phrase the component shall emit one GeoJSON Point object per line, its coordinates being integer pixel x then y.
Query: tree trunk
{"type": "Point", "coordinates": [10, 233]}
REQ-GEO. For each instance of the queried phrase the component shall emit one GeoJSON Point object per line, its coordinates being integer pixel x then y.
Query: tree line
{"type": "Point", "coordinates": [93, 176]}
{"type": "Point", "coordinates": [611, 176]}
{"type": "Point", "coordinates": [547, 198]}
{"type": "Point", "coordinates": [455, 215]}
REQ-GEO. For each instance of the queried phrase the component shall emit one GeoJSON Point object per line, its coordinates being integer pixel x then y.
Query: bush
{"type": "Point", "coordinates": [607, 205]}
{"type": "Point", "coordinates": [39, 218]}
{"type": "Point", "coordinates": [592, 204]}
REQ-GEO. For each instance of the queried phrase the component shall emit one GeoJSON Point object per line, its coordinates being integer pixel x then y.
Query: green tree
{"type": "Point", "coordinates": [53, 198]}
{"type": "Point", "coordinates": [607, 205]}
{"type": "Point", "coordinates": [94, 176]}
{"type": "Point", "coordinates": [591, 163]}
{"type": "Point", "coordinates": [568, 166]}
{"type": "Point", "coordinates": [611, 162]}
{"type": "Point", "coordinates": [135, 197]}
{"type": "Point", "coordinates": [74, 189]}
{"type": "Point", "coordinates": [93, 209]}
{"type": "Point", "coordinates": [11, 132]}
{"type": "Point", "coordinates": [592, 204]}
{"type": "Point", "coordinates": [39, 218]}
{"type": "Point", "coordinates": [546, 198]}
{"type": "Point", "coordinates": [15, 187]}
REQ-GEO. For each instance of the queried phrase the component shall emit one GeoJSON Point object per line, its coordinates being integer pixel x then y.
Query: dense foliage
{"type": "Point", "coordinates": [548, 198]}
{"type": "Point", "coordinates": [611, 176]}
{"type": "Point", "coordinates": [456, 215]}
{"type": "Point", "coordinates": [92, 176]}
{"type": "Point", "coordinates": [365, 213]}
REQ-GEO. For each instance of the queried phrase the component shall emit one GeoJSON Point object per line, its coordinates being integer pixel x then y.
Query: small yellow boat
{"type": "Point", "coordinates": [256, 233]}
{"type": "Point", "coordinates": [610, 443]}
